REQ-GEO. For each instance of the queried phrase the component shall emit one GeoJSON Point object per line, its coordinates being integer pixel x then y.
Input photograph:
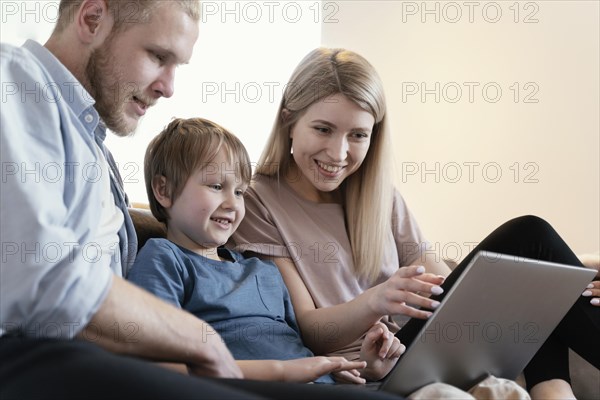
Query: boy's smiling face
{"type": "Point", "coordinates": [209, 208]}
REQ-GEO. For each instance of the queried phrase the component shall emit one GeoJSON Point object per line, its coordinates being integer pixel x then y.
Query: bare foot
{"type": "Point", "coordinates": [554, 389]}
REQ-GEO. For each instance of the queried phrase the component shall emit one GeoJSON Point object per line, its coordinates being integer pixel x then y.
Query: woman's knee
{"type": "Point", "coordinates": [531, 225]}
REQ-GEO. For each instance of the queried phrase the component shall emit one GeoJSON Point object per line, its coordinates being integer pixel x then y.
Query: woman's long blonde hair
{"type": "Point", "coordinates": [368, 193]}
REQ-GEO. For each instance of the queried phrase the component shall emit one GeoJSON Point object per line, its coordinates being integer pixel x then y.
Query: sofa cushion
{"type": "Point", "coordinates": [146, 226]}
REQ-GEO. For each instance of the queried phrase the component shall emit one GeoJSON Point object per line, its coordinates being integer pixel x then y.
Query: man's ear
{"type": "Point", "coordinates": [93, 21]}
{"type": "Point", "coordinates": [160, 188]}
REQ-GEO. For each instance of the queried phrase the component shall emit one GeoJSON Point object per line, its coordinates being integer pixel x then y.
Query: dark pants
{"type": "Point", "coordinates": [62, 369]}
{"type": "Point", "coordinates": [532, 237]}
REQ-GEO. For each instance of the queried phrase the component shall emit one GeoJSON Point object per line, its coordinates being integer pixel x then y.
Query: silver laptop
{"type": "Point", "coordinates": [492, 321]}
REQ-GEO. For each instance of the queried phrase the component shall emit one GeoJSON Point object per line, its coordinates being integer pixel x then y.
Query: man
{"type": "Point", "coordinates": [125, 62]}
{"type": "Point", "coordinates": [66, 235]}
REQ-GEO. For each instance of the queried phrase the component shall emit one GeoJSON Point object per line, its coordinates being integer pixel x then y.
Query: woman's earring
{"type": "Point", "coordinates": [291, 146]}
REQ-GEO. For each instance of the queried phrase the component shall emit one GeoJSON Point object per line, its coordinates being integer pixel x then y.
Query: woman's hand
{"type": "Point", "coordinates": [593, 291]}
{"type": "Point", "coordinates": [409, 285]}
{"type": "Point", "coordinates": [381, 350]}
{"type": "Point", "coordinates": [592, 261]}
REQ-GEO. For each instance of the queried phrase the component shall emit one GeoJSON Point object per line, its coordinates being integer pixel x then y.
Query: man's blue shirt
{"type": "Point", "coordinates": [52, 279]}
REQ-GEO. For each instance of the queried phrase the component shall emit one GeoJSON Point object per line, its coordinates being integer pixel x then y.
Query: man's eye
{"type": "Point", "coordinates": [159, 57]}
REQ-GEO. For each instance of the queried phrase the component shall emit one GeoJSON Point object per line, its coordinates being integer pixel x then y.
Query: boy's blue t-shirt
{"type": "Point", "coordinates": [245, 300]}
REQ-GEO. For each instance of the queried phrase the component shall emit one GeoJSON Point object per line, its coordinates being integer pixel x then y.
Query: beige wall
{"type": "Point", "coordinates": [545, 143]}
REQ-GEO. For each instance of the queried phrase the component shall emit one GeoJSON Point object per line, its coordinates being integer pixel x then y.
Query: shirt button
{"type": "Point", "coordinates": [89, 118]}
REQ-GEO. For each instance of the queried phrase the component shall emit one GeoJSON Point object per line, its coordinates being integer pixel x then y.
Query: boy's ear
{"type": "Point", "coordinates": [94, 22]}
{"type": "Point", "coordinates": [160, 188]}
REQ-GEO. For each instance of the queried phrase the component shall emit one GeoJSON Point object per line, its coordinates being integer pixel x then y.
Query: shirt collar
{"type": "Point", "coordinates": [71, 89]}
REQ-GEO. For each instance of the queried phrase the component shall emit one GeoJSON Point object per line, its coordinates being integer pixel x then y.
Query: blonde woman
{"type": "Point", "coordinates": [323, 207]}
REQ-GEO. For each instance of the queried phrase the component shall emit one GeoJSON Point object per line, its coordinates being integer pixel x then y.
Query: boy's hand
{"type": "Point", "coordinates": [310, 368]}
{"type": "Point", "coordinates": [381, 350]}
{"type": "Point", "coordinates": [352, 376]}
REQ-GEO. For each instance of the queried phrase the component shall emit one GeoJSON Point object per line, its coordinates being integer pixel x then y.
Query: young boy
{"type": "Point", "coordinates": [196, 174]}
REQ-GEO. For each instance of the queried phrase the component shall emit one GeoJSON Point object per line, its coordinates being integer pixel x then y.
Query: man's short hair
{"type": "Point", "coordinates": [126, 13]}
{"type": "Point", "coordinates": [186, 146]}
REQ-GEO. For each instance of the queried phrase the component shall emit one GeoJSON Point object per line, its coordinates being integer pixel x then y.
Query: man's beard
{"type": "Point", "coordinates": [109, 91]}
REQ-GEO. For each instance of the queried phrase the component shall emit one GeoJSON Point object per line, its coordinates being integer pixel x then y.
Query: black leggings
{"type": "Point", "coordinates": [532, 237]}
{"type": "Point", "coordinates": [71, 369]}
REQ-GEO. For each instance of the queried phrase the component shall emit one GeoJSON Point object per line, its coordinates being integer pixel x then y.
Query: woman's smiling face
{"type": "Point", "coordinates": [329, 142]}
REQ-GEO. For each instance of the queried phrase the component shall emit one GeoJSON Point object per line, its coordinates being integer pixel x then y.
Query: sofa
{"type": "Point", "coordinates": [585, 378]}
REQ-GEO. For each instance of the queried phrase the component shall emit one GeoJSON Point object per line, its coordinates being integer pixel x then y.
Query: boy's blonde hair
{"type": "Point", "coordinates": [182, 148]}
{"type": "Point", "coordinates": [368, 193]}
